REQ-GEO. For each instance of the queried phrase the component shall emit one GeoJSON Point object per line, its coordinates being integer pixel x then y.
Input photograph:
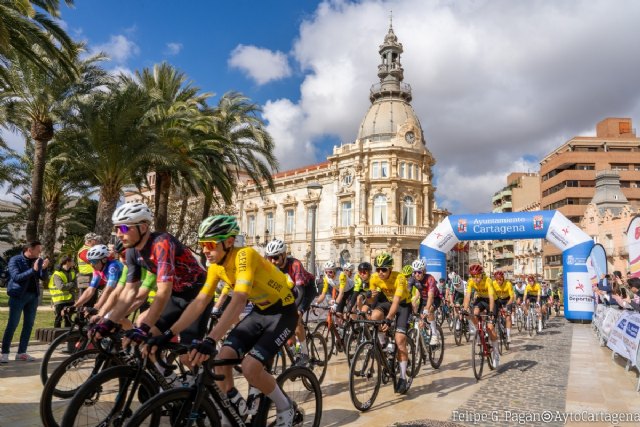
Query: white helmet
{"type": "Point", "coordinates": [98, 252]}
{"type": "Point", "coordinates": [131, 214]}
{"type": "Point", "coordinates": [275, 247]}
{"type": "Point", "coordinates": [329, 265]}
{"type": "Point", "coordinates": [347, 267]}
{"type": "Point", "coordinates": [419, 265]}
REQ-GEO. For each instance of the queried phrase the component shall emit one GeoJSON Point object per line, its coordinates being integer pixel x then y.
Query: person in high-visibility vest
{"type": "Point", "coordinates": [85, 270]}
{"type": "Point", "coordinates": [63, 288]}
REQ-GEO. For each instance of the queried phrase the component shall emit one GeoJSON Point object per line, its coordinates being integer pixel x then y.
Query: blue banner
{"type": "Point", "coordinates": [496, 226]}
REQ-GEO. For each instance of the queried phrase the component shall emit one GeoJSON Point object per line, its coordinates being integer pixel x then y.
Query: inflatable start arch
{"type": "Point", "coordinates": [551, 225]}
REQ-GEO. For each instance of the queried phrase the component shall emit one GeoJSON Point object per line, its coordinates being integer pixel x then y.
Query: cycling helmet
{"type": "Point", "coordinates": [275, 247]}
{"type": "Point", "coordinates": [407, 270]}
{"type": "Point", "coordinates": [98, 252]}
{"type": "Point", "coordinates": [131, 214]}
{"type": "Point", "coordinates": [419, 265]}
{"type": "Point", "coordinates": [118, 247]}
{"type": "Point", "coordinates": [498, 275]}
{"type": "Point", "coordinates": [365, 266]}
{"type": "Point", "coordinates": [347, 267]}
{"type": "Point", "coordinates": [218, 228]}
{"type": "Point", "coordinates": [384, 260]}
{"type": "Point", "coordinates": [530, 278]}
{"type": "Point", "coordinates": [329, 265]}
{"type": "Point", "coordinates": [91, 236]}
{"type": "Point", "coordinates": [475, 269]}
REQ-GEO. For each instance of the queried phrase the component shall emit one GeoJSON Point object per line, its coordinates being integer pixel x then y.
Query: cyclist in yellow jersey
{"type": "Point", "coordinates": [532, 294]}
{"type": "Point", "coordinates": [504, 297]}
{"type": "Point", "coordinates": [393, 301]}
{"type": "Point", "coordinates": [361, 289]}
{"type": "Point", "coordinates": [328, 280]}
{"type": "Point", "coordinates": [262, 332]}
{"type": "Point", "coordinates": [345, 289]}
{"type": "Point", "coordinates": [485, 302]}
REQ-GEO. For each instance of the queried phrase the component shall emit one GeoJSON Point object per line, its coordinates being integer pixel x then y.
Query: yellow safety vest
{"type": "Point", "coordinates": [84, 268]}
{"type": "Point", "coordinates": [58, 296]}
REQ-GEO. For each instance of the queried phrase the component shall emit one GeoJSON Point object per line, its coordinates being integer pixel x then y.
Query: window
{"type": "Point", "coordinates": [289, 226]}
{"type": "Point", "coordinates": [251, 225]}
{"type": "Point", "coordinates": [410, 171]}
{"type": "Point", "coordinates": [347, 179]}
{"type": "Point", "coordinates": [345, 214]}
{"type": "Point", "coordinates": [375, 170]}
{"type": "Point", "coordinates": [417, 172]}
{"type": "Point", "coordinates": [408, 211]}
{"type": "Point", "coordinates": [380, 210]}
{"type": "Point", "coordinates": [384, 169]}
{"type": "Point", "coordinates": [269, 224]}
{"type": "Point", "coordinates": [401, 170]}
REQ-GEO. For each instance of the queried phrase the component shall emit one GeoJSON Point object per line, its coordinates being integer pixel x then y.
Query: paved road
{"type": "Point", "coordinates": [563, 369]}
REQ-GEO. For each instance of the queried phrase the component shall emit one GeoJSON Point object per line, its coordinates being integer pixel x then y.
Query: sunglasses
{"type": "Point", "coordinates": [418, 272]}
{"type": "Point", "coordinates": [123, 228]}
{"type": "Point", "coordinates": [330, 272]}
{"type": "Point", "coordinates": [382, 270]}
{"type": "Point", "coordinates": [208, 245]}
{"type": "Point", "coordinates": [94, 261]}
{"type": "Point", "coordinates": [273, 257]}
{"type": "Point", "coordinates": [364, 271]}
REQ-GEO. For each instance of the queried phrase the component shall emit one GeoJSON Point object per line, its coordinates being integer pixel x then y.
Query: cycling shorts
{"type": "Point", "coordinates": [177, 304]}
{"type": "Point", "coordinates": [402, 315]}
{"type": "Point", "coordinates": [304, 298]}
{"type": "Point", "coordinates": [482, 304]}
{"type": "Point", "coordinates": [263, 332]}
{"type": "Point", "coordinates": [458, 298]}
{"type": "Point", "coordinates": [544, 300]}
{"type": "Point", "coordinates": [498, 304]}
{"type": "Point", "coordinates": [346, 298]}
{"type": "Point", "coordinates": [533, 299]}
{"type": "Point", "coordinates": [437, 302]}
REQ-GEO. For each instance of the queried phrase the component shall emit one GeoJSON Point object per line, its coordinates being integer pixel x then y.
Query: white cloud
{"type": "Point", "coordinates": [119, 48]}
{"type": "Point", "coordinates": [260, 64]}
{"type": "Point", "coordinates": [494, 82]}
{"type": "Point", "coordinates": [173, 48]}
{"type": "Point", "coordinates": [14, 140]}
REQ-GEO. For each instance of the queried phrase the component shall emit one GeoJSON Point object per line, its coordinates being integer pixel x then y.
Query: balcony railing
{"type": "Point", "coordinates": [381, 230]}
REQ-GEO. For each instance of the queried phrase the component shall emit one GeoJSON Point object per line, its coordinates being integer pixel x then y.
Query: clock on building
{"type": "Point", "coordinates": [410, 137]}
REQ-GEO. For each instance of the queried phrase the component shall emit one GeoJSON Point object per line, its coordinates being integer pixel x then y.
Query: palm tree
{"type": "Point", "coordinates": [109, 143]}
{"type": "Point", "coordinates": [22, 27]}
{"type": "Point", "coordinates": [33, 101]}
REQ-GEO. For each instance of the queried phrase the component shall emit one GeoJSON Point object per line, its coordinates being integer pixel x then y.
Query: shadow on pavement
{"type": "Point", "coordinates": [339, 417]}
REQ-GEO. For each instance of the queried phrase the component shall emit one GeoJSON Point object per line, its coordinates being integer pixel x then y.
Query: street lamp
{"type": "Point", "coordinates": [314, 191]}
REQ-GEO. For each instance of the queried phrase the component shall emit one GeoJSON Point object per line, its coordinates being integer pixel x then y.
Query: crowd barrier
{"type": "Point", "coordinates": [619, 330]}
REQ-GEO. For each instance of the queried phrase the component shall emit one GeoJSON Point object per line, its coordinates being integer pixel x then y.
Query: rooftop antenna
{"type": "Point", "coordinates": [391, 19]}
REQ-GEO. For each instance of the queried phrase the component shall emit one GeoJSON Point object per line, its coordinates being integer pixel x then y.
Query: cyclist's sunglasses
{"type": "Point", "coordinates": [418, 272]}
{"type": "Point", "coordinates": [94, 261]}
{"type": "Point", "coordinates": [273, 257]}
{"type": "Point", "coordinates": [364, 271]}
{"type": "Point", "coordinates": [208, 245]}
{"type": "Point", "coordinates": [329, 272]}
{"type": "Point", "coordinates": [382, 269]}
{"type": "Point", "coordinates": [124, 228]}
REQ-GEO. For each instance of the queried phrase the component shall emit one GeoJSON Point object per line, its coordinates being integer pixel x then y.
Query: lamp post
{"type": "Point", "coordinates": [314, 191]}
{"type": "Point", "coordinates": [491, 257]}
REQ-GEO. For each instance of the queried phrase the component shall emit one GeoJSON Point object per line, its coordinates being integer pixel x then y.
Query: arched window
{"type": "Point", "coordinates": [408, 211]}
{"type": "Point", "coordinates": [380, 210]}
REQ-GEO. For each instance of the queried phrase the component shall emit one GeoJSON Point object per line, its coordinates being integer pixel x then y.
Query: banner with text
{"type": "Point", "coordinates": [625, 336]}
{"type": "Point", "coordinates": [633, 246]}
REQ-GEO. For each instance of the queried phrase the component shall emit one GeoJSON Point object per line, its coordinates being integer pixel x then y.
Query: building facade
{"type": "Point", "coordinates": [377, 192]}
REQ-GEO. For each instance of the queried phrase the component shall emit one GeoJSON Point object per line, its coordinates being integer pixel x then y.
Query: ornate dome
{"type": "Point", "coordinates": [385, 118]}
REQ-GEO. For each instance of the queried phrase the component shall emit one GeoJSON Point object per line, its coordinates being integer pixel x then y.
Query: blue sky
{"type": "Point", "coordinates": [497, 84]}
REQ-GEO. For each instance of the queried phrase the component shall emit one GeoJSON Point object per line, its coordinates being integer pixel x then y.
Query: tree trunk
{"type": "Point", "coordinates": [184, 204]}
{"type": "Point", "coordinates": [37, 179]}
{"type": "Point", "coordinates": [50, 226]}
{"type": "Point", "coordinates": [206, 205]}
{"type": "Point", "coordinates": [163, 188]}
{"type": "Point", "coordinates": [106, 205]}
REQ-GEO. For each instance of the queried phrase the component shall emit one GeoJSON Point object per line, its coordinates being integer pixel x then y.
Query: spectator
{"type": "Point", "coordinates": [85, 270]}
{"type": "Point", "coordinates": [605, 288]}
{"type": "Point", "coordinates": [634, 293]}
{"type": "Point", "coordinates": [23, 290]}
{"type": "Point", "coordinates": [63, 288]}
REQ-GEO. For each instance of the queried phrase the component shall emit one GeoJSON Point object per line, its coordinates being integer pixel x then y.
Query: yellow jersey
{"type": "Point", "coordinates": [330, 282]}
{"type": "Point", "coordinates": [395, 285]}
{"type": "Point", "coordinates": [504, 291]}
{"type": "Point", "coordinates": [532, 290]}
{"type": "Point", "coordinates": [246, 271]}
{"type": "Point", "coordinates": [483, 287]}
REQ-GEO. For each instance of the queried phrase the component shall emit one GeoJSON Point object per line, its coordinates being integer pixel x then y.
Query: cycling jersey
{"type": "Point", "coordinates": [167, 258]}
{"type": "Point", "coordinates": [545, 292]}
{"type": "Point", "coordinates": [148, 279]}
{"type": "Point", "coordinates": [360, 285]}
{"type": "Point", "coordinates": [293, 267]}
{"type": "Point", "coordinates": [248, 272]}
{"type": "Point", "coordinates": [395, 285]}
{"type": "Point", "coordinates": [424, 286]}
{"type": "Point", "coordinates": [108, 276]}
{"type": "Point", "coordinates": [532, 290]}
{"type": "Point", "coordinates": [346, 282]}
{"type": "Point", "coordinates": [483, 287]}
{"type": "Point", "coordinates": [327, 281]}
{"type": "Point", "coordinates": [519, 288]}
{"type": "Point", "coordinates": [504, 291]}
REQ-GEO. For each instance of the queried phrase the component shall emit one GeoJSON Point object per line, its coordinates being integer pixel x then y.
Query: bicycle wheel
{"type": "Point", "coordinates": [412, 363]}
{"type": "Point", "coordinates": [412, 335]}
{"type": "Point", "coordinates": [173, 407]}
{"type": "Point", "coordinates": [364, 376]}
{"type": "Point", "coordinates": [303, 389]}
{"type": "Point", "coordinates": [318, 355]}
{"type": "Point", "coordinates": [436, 352]}
{"type": "Point", "coordinates": [323, 329]}
{"type": "Point", "coordinates": [354, 338]}
{"type": "Point", "coordinates": [531, 325]}
{"type": "Point", "coordinates": [503, 335]}
{"type": "Point", "coordinates": [458, 331]}
{"type": "Point", "coordinates": [450, 320]}
{"type": "Point", "coordinates": [60, 349]}
{"type": "Point", "coordinates": [477, 356]}
{"type": "Point", "coordinates": [101, 400]}
{"type": "Point", "coordinates": [439, 316]}
{"type": "Point", "coordinates": [519, 322]}
{"type": "Point", "coordinates": [64, 382]}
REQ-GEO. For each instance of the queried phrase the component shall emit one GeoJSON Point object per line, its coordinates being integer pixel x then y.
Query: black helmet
{"type": "Point", "coordinates": [384, 260]}
{"type": "Point", "coordinates": [365, 266]}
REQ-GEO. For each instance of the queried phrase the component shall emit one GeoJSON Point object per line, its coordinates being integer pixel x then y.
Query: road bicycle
{"type": "Point", "coordinates": [373, 365]}
{"type": "Point", "coordinates": [530, 322]}
{"type": "Point", "coordinates": [420, 333]}
{"type": "Point", "coordinates": [461, 328]}
{"type": "Point", "coordinates": [481, 348]}
{"type": "Point", "coordinates": [501, 330]}
{"type": "Point", "coordinates": [202, 403]}
{"type": "Point", "coordinates": [334, 335]}
{"type": "Point", "coordinates": [519, 317]}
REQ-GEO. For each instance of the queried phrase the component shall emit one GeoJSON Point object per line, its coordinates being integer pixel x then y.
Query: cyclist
{"type": "Point", "coordinates": [392, 301]}
{"type": "Point", "coordinates": [345, 289]}
{"type": "Point", "coordinates": [457, 296]}
{"type": "Point", "coordinates": [261, 333]}
{"type": "Point", "coordinates": [329, 280]}
{"type": "Point", "coordinates": [361, 291]}
{"type": "Point", "coordinates": [179, 276]}
{"type": "Point", "coordinates": [545, 294]}
{"type": "Point", "coordinates": [532, 294]}
{"type": "Point", "coordinates": [430, 297]}
{"type": "Point", "coordinates": [518, 290]}
{"type": "Point", "coordinates": [504, 296]}
{"type": "Point", "coordinates": [276, 252]}
{"type": "Point", "coordinates": [106, 273]}
{"type": "Point", "coordinates": [485, 302]}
